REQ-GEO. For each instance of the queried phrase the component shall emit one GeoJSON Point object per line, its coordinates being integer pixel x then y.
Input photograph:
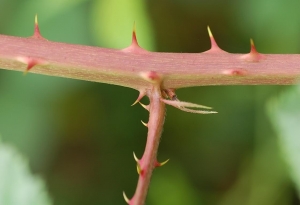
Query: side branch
{"type": "Point", "coordinates": [126, 67]}
{"type": "Point", "coordinates": [148, 162]}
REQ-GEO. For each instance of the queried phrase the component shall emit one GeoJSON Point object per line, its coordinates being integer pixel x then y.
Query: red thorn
{"type": "Point", "coordinates": [31, 62]}
{"type": "Point", "coordinates": [151, 76]}
{"type": "Point", "coordinates": [214, 46]}
{"type": "Point", "coordinates": [235, 72]}
{"type": "Point", "coordinates": [141, 95]}
{"type": "Point", "coordinates": [134, 47]}
{"type": "Point", "coordinates": [253, 56]}
{"type": "Point", "coordinates": [37, 33]}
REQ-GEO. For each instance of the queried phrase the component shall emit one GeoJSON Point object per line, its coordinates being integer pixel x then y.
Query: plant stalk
{"type": "Point", "coordinates": [149, 160]}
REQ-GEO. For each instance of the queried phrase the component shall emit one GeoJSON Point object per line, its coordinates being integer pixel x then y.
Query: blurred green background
{"type": "Point", "coordinates": [79, 136]}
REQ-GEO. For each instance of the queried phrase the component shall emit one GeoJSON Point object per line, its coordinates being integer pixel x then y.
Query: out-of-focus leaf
{"type": "Point", "coordinates": [112, 22]}
{"type": "Point", "coordinates": [284, 113]}
{"type": "Point", "coordinates": [17, 185]}
{"type": "Point", "coordinates": [171, 186]}
{"type": "Point", "coordinates": [273, 24]}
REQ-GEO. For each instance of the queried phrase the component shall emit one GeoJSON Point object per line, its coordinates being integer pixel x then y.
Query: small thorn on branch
{"type": "Point", "coordinates": [138, 166]}
{"type": "Point", "coordinates": [253, 56]}
{"type": "Point", "coordinates": [145, 124]}
{"type": "Point", "coordinates": [126, 198]}
{"type": "Point", "coordinates": [134, 47]}
{"type": "Point", "coordinates": [31, 62]}
{"type": "Point", "coordinates": [135, 158]}
{"type": "Point", "coordinates": [37, 33]}
{"type": "Point", "coordinates": [147, 107]}
{"type": "Point", "coordinates": [214, 46]}
{"type": "Point", "coordinates": [159, 164]}
{"type": "Point", "coordinates": [141, 95]}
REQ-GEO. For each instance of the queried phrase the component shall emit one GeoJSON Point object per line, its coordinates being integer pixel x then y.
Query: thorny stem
{"type": "Point", "coordinates": [148, 161]}
{"type": "Point", "coordinates": [125, 67]}
{"type": "Point", "coordinates": [149, 73]}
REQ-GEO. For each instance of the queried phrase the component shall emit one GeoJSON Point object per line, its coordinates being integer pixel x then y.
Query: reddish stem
{"type": "Point", "coordinates": [126, 67]}
{"type": "Point", "coordinates": [148, 161]}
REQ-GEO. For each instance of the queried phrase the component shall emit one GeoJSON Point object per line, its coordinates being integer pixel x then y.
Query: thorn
{"type": "Point", "coordinates": [253, 56]}
{"type": "Point", "coordinates": [37, 33]}
{"type": "Point", "coordinates": [138, 169]}
{"type": "Point", "coordinates": [134, 39]}
{"type": "Point", "coordinates": [126, 198]}
{"type": "Point", "coordinates": [252, 49]}
{"type": "Point", "coordinates": [31, 62]}
{"type": "Point", "coordinates": [135, 158]}
{"type": "Point", "coordinates": [157, 164]}
{"type": "Point", "coordinates": [134, 47]}
{"type": "Point", "coordinates": [145, 124]}
{"type": "Point", "coordinates": [141, 95]}
{"type": "Point", "coordinates": [214, 46]}
{"type": "Point", "coordinates": [145, 106]}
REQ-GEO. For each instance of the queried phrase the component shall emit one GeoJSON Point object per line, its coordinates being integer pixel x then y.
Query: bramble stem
{"type": "Point", "coordinates": [148, 161]}
{"type": "Point", "coordinates": [124, 67]}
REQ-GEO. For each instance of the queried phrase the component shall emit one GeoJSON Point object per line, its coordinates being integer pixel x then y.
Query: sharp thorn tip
{"type": "Point", "coordinates": [145, 124]}
{"type": "Point", "coordinates": [135, 158]}
{"type": "Point", "coordinates": [163, 163]}
{"type": "Point", "coordinates": [126, 198]}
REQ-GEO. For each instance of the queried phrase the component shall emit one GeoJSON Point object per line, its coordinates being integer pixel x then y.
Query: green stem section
{"type": "Point", "coordinates": [148, 161]}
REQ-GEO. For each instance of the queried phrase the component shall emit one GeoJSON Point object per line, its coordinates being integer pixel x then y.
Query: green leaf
{"type": "Point", "coordinates": [17, 185]}
{"type": "Point", "coordinates": [284, 113]}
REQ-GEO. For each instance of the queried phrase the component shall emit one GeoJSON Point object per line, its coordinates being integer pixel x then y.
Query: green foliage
{"type": "Point", "coordinates": [285, 115]}
{"type": "Point", "coordinates": [17, 185]}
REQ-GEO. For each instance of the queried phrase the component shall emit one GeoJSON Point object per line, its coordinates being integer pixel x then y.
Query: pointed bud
{"type": "Point", "coordinates": [151, 76]}
{"type": "Point", "coordinates": [37, 33]}
{"type": "Point", "coordinates": [253, 56]}
{"type": "Point", "coordinates": [147, 107]}
{"type": "Point", "coordinates": [157, 164]}
{"type": "Point", "coordinates": [145, 124]}
{"type": "Point", "coordinates": [126, 198]}
{"type": "Point", "coordinates": [214, 46]}
{"type": "Point", "coordinates": [134, 47]}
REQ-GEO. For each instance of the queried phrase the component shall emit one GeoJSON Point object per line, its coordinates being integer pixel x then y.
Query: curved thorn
{"type": "Point", "coordinates": [141, 95]}
{"type": "Point", "coordinates": [135, 158]}
{"type": "Point", "coordinates": [145, 124]}
{"type": "Point", "coordinates": [144, 106]}
{"type": "Point", "coordinates": [162, 163]}
{"type": "Point", "coordinates": [126, 198]}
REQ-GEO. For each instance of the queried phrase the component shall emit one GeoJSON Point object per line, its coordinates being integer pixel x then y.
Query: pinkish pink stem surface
{"type": "Point", "coordinates": [126, 67]}
{"type": "Point", "coordinates": [148, 162]}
